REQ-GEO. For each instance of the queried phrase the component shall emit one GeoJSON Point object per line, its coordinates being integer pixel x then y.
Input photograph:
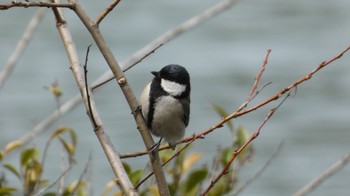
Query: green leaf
{"type": "Point", "coordinates": [62, 130]}
{"type": "Point", "coordinates": [7, 190]}
{"type": "Point", "coordinates": [165, 155]}
{"type": "Point", "coordinates": [27, 155]}
{"type": "Point", "coordinates": [38, 169]}
{"type": "Point", "coordinates": [73, 137]}
{"type": "Point", "coordinates": [221, 188]}
{"type": "Point", "coordinates": [242, 136]}
{"type": "Point", "coordinates": [67, 146]}
{"type": "Point", "coordinates": [195, 178]}
{"type": "Point", "coordinates": [222, 113]}
{"type": "Point", "coordinates": [77, 185]}
{"type": "Point", "coordinates": [12, 169]}
{"type": "Point", "coordinates": [135, 176]}
{"type": "Point", "coordinates": [50, 194]}
{"type": "Point", "coordinates": [127, 167]}
{"type": "Point", "coordinates": [226, 155]}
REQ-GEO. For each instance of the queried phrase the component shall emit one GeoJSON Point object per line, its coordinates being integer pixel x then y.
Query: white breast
{"type": "Point", "coordinates": [168, 119]}
{"type": "Point", "coordinates": [173, 88]}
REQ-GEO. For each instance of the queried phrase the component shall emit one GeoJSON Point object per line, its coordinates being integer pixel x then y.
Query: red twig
{"type": "Point", "coordinates": [254, 91]}
{"type": "Point", "coordinates": [165, 163]}
{"type": "Point", "coordinates": [106, 11]}
{"type": "Point", "coordinates": [237, 113]}
{"type": "Point", "coordinates": [35, 4]}
{"type": "Point", "coordinates": [240, 149]}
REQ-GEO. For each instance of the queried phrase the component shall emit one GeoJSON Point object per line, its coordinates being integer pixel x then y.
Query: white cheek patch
{"type": "Point", "coordinates": [173, 88]}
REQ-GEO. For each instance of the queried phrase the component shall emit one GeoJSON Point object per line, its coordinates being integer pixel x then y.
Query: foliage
{"type": "Point", "coordinates": [31, 167]}
{"type": "Point", "coordinates": [184, 174]}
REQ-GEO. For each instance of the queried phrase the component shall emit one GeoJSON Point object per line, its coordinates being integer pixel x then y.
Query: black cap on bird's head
{"type": "Point", "coordinates": [173, 72]}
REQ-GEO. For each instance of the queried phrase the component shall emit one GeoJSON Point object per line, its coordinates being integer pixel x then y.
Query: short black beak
{"type": "Point", "coordinates": [155, 73]}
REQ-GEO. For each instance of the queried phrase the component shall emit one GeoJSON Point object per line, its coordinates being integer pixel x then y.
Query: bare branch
{"type": "Point", "coordinates": [41, 191]}
{"type": "Point", "coordinates": [22, 44]}
{"type": "Point", "coordinates": [175, 32]}
{"type": "Point", "coordinates": [87, 87]}
{"type": "Point", "coordinates": [134, 63]}
{"type": "Point", "coordinates": [165, 163]}
{"type": "Point", "coordinates": [131, 100]}
{"type": "Point", "coordinates": [238, 113]}
{"type": "Point", "coordinates": [260, 171]}
{"type": "Point", "coordinates": [240, 149]}
{"type": "Point", "coordinates": [105, 142]}
{"type": "Point", "coordinates": [130, 62]}
{"type": "Point", "coordinates": [256, 82]}
{"type": "Point", "coordinates": [106, 11]}
{"type": "Point", "coordinates": [337, 166]}
{"type": "Point", "coordinates": [35, 4]}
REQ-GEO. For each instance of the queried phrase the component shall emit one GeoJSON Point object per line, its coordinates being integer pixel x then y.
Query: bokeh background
{"type": "Point", "coordinates": [223, 55]}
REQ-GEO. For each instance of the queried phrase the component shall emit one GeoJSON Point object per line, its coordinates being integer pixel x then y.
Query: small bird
{"type": "Point", "coordinates": [165, 103]}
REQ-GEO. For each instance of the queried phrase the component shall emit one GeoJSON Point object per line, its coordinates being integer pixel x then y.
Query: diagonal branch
{"type": "Point", "coordinates": [240, 149]}
{"type": "Point", "coordinates": [106, 11]}
{"type": "Point", "coordinates": [28, 33]}
{"type": "Point", "coordinates": [176, 31]}
{"type": "Point", "coordinates": [254, 90]}
{"type": "Point", "coordinates": [340, 164]}
{"type": "Point", "coordinates": [238, 113]}
{"type": "Point", "coordinates": [240, 188]}
{"type": "Point", "coordinates": [129, 95]}
{"type": "Point", "coordinates": [130, 62]}
{"type": "Point", "coordinates": [96, 121]}
{"type": "Point", "coordinates": [35, 4]}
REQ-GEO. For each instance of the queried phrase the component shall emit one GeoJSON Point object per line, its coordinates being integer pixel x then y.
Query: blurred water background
{"type": "Point", "coordinates": [223, 55]}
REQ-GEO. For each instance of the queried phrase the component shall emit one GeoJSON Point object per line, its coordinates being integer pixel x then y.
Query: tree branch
{"type": "Point", "coordinates": [240, 149]}
{"type": "Point", "coordinates": [130, 62]}
{"type": "Point", "coordinates": [96, 121]}
{"type": "Point", "coordinates": [35, 4]}
{"type": "Point", "coordinates": [259, 172]}
{"type": "Point", "coordinates": [239, 112]}
{"type": "Point", "coordinates": [175, 32]}
{"type": "Point", "coordinates": [22, 44]}
{"type": "Point", "coordinates": [324, 176]}
{"type": "Point", "coordinates": [129, 95]}
{"type": "Point", "coordinates": [106, 11]}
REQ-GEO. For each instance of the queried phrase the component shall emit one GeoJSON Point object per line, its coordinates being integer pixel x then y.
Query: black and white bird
{"type": "Point", "coordinates": [165, 103]}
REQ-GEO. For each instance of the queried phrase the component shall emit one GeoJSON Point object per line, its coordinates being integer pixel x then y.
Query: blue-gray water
{"type": "Point", "coordinates": [223, 56]}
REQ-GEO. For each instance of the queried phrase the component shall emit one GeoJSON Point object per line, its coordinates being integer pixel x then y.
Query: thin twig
{"type": "Point", "coordinates": [35, 4]}
{"type": "Point", "coordinates": [175, 32]}
{"type": "Point", "coordinates": [240, 149]}
{"type": "Point", "coordinates": [87, 166]}
{"type": "Point", "coordinates": [133, 64]}
{"type": "Point", "coordinates": [256, 82]}
{"type": "Point", "coordinates": [129, 63]}
{"type": "Point", "coordinates": [22, 44]}
{"type": "Point", "coordinates": [40, 192]}
{"type": "Point", "coordinates": [236, 114]}
{"type": "Point", "coordinates": [106, 144]}
{"type": "Point", "coordinates": [106, 11]}
{"type": "Point", "coordinates": [87, 88]}
{"type": "Point", "coordinates": [165, 163]}
{"type": "Point", "coordinates": [260, 171]}
{"type": "Point", "coordinates": [337, 166]}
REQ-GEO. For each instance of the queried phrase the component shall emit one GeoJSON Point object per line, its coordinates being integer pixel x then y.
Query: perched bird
{"type": "Point", "coordinates": [165, 103]}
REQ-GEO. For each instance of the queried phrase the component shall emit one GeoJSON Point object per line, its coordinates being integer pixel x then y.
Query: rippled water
{"type": "Point", "coordinates": [223, 56]}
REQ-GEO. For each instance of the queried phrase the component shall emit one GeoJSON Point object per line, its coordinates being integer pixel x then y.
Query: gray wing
{"type": "Point", "coordinates": [186, 107]}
